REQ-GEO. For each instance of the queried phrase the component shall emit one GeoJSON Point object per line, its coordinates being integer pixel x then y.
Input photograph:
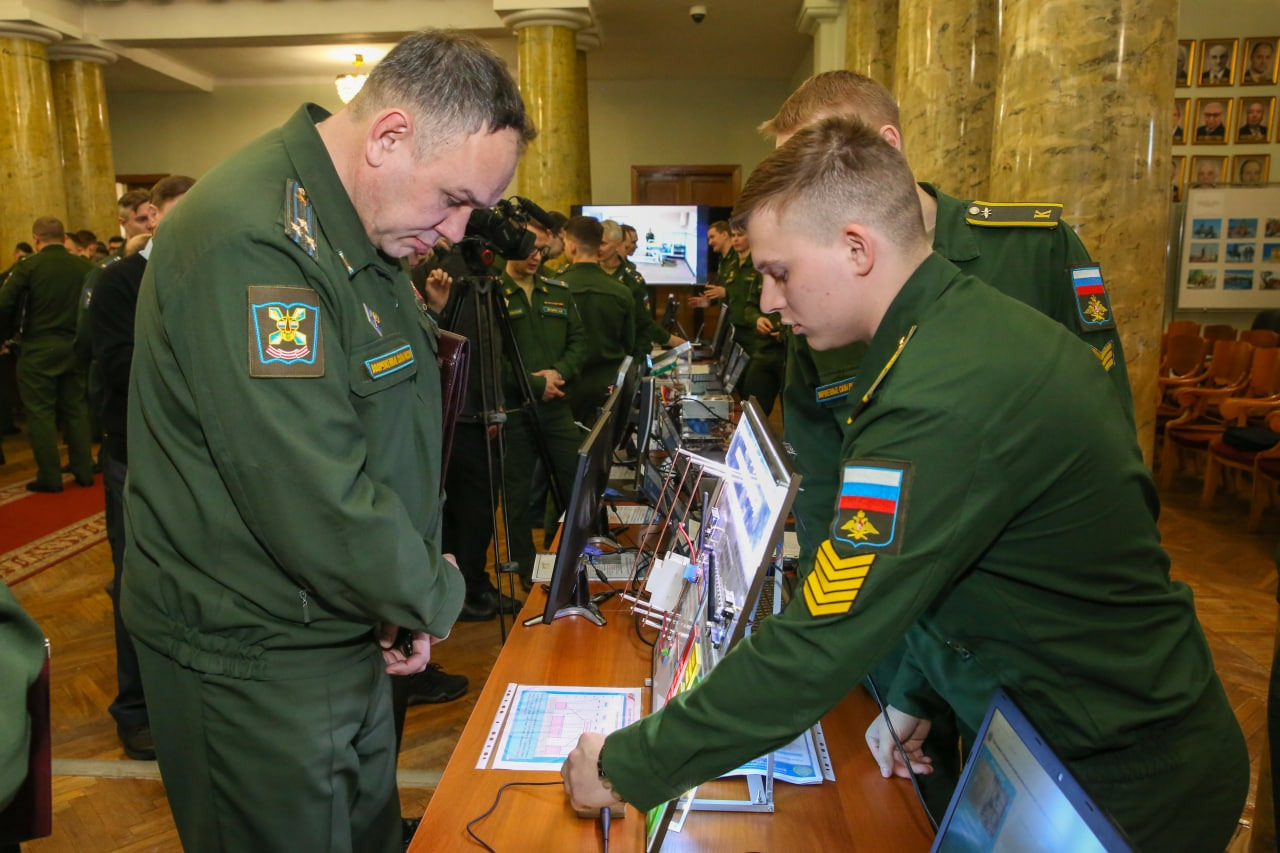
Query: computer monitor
{"type": "Point", "coordinates": [671, 239]}
{"type": "Point", "coordinates": [568, 594]}
{"type": "Point", "coordinates": [736, 366]}
{"type": "Point", "coordinates": [625, 386]}
{"type": "Point", "coordinates": [1016, 794]}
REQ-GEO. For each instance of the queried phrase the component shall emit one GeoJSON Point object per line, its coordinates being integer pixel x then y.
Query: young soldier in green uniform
{"type": "Point", "coordinates": [284, 496]}
{"type": "Point", "coordinates": [608, 316]}
{"type": "Point", "coordinates": [759, 333]}
{"type": "Point", "coordinates": [614, 261]}
{"type": "Point", "coordinates": [993, 510]}
{"type": "Point", "coordinates": [553, 346]}
{"type": "Point", "coordinates": [50, 375]}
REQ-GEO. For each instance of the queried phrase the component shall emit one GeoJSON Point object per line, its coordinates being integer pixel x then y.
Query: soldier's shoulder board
{"type": "Point", "coordinates": [555, 282]}
{"type": "Point", "coordinates": [299, 218]}
{"type": "Point", "coordinates": [285, 336]}
{"type": "Point", "coordinates": [997, 214]}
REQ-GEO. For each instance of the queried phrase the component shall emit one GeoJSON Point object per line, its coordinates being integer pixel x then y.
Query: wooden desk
{"type": "Point", "coordinates": [861, 811]}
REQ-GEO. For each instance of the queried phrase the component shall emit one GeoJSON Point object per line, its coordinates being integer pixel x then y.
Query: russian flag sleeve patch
{"type": "Point", "coordinates": [1093, 305]}
{"type": "Point", "coordinates": [872, 504]}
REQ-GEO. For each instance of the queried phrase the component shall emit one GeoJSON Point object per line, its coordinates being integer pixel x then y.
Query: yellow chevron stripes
{"type": "Point", "coordinates": [835, 581]}
{"type": "Point", "coordinates": [1106, 355]}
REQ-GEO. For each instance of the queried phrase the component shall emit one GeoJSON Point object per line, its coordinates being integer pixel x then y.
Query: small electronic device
{"type": "Point", "coordinates": [1016, 794]}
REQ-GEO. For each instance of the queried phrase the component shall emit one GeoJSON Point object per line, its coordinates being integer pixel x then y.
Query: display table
{"type": "Point", "coordinates": [861, 811]}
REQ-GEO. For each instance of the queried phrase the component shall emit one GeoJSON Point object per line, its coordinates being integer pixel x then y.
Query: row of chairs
{"type": "Point", "coordinates": [1259, 337]}
{"type": "Point", "coordinates": [1210, 386]}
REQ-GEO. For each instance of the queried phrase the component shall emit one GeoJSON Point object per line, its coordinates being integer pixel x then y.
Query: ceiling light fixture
{"type": "Point", "coordinates": [350, 83]}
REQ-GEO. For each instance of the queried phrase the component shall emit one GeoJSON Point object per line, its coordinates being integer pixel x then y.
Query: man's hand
{"type": "Point", "coordinates": [675, 341]}
{"type": "Point", "coordinates": [554, 383]}
{"type": "Point", "coordinates": [911, 731]}
{"type": "Point", "coordinates": [436, 289]}
{"type": "Point", "coordinates": [713, 291]}
{"type": "Point", "coordinates": [582, 782]}
{"type": "Point", "coordinates": [764, 326]}
{"type": "Point", "coordinates": [394, 655]}
{"type": "Point", "coordinates": [699, 302]}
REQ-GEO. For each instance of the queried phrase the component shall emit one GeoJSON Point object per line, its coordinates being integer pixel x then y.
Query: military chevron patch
{"type": "Point", "coordinates": [1106, 355]}
{"type": "Point", "coordinates": [835, 581]}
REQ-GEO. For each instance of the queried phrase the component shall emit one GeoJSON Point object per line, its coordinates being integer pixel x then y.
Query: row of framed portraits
{"type": "Point", "coordinates": [1243, 170]}
{"type": "Point", "coordinates": [1212, 121]}
{"type": "Point", "coordinates": [1214, 62]}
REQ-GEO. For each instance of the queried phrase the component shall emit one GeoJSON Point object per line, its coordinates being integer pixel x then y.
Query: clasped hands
{"type": "Point", "coordinates": [554, 383]}
{"type": "Point", "coordinates": [402, 661]}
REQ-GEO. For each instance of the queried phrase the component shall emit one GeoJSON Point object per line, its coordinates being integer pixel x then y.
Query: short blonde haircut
{"type": "Point", "coordinates": [834, 93]}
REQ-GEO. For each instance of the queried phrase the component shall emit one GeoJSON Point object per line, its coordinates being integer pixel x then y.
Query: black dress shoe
{"type": "Point", "coordinates": [138, 744]}
{"type": "Point", "coordinates": [433, 685]}
{"type": "Point", "coordinates": [37, 486]}
{"type": "Point", "coordinates": [83, 482]}
{"type": "Point", "coordinates": [483, 605]}
{"type": "Point", "coordinates": [410, 826]}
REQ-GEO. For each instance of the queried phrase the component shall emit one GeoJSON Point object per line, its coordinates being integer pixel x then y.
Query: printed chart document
{"type": "Point", "coordinates": [797, 763]}
{"type": "Point", "coordinates": [545, 721]}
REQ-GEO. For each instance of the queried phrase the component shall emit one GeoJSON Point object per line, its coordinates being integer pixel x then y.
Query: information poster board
{"type": "Point", "coordinates": [1230, 249]}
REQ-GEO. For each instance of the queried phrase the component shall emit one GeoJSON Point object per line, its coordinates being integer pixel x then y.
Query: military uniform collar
{"type": "Point", "coordinates": [328, 198]}
{"type": "Point", "coordinates": [920, 291]}
{"type": "Point", "coordinates": [952, 237]}
{"type": "Point", "coordinates": [53, 247]}
{"type": "Point", "coordinates": [511, 286]}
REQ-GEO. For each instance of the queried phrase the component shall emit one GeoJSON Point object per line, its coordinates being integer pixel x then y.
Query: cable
{"type": "Point", "coordinates": [489, 810]}
{"type": "Point", "coordinates": [902, 750]}
{"type": "Point", "coordinates": [710, 410]}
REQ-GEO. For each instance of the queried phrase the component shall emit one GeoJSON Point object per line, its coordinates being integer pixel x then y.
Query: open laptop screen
{"type": "Point", "coordinates": [1016, 795]}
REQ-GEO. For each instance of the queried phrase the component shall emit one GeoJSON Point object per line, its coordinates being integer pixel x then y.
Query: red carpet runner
{"type": "Point", "coordinates": [39, 530]}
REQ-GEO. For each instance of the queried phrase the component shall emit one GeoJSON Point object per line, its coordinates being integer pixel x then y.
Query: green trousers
{"type": "Point", "coordinates": [302, 763]}
{"type": "Point", "coordinates": [51, 382]}
{"type": "Point", "coordinates": [563, 438]}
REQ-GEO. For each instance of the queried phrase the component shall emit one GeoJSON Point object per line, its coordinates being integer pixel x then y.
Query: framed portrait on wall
{"type": "Point", "coordinates": [1186, 62]}
{"type": "Point", "coordinates": [1180, 107]}
{"type": "Point", "coordinates": [1212, 118]}
{"type": "Point", "coordinates": [1250, 170]}
{"type": "Point", "coordinates": [1255, 116]}
{"type": "Point", "coordinates": [1261, 55]}
{"type": "Point", "coordinates": [1217, 61]}
{"type": "Point", "coordinates": [1208, 171]}
{"type": "Point", "coordinates": [1177, 181]}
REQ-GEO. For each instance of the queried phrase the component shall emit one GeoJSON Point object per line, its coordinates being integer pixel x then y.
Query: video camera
{"type": "Point", "coordinates": [499, 230]}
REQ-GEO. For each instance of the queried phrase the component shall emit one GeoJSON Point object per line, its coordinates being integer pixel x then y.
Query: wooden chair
{"type": "Point", "coordinates": [1266, 479]}
{"type": "Point", "coordinates": [1182, 357]}
{"type": "Point", "coordinates": [1261, 397]}
{"type": "Point", "coordinates": [1220, 332]}
{"type": "Point", "coordinates": [1183, 327]}
{"type": "Point", "coordinates": [1198, 421]}
{"type": "Point", "coordinates": [1261, 337]}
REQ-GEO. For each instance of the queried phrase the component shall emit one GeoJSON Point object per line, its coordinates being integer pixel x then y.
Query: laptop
{"type": "Point", "coordinates": [1015, 794]}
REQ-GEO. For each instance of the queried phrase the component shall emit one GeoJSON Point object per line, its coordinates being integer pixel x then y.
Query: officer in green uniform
{"type": "Point", "coordinates": [992, 509]}
{"type": "Point", "coordinates": [759, 333]}
{"type": "Point", "coordinates": [22, 655]}
{"type": "Point", "coordinates": [50, 375]}
{"type": "Point", "coordinates": [553, 346]}
{"type": "Point", "coordinates": [608, 317]}
{"type": "Point", "coordinates": [1023, 250]}
{"type": "Point", "coordinates": [615, 262]}
{"type": "Point", "coordinates": [284, 497]}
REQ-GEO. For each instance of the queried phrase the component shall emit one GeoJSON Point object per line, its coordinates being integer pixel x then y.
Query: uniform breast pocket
{"type": "Point", "coordinates": [381, 365]}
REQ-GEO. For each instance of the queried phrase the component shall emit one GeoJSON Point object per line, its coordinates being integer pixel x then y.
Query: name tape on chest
{"type": "Point", "coordinates": [555, 309]}
{"type": "Point", "coordinates": [388, 363]}
{"type": "Point", "coordinates": [834, 392]}
{"type": "Point", "coordinates": [1093, 305]}
{"type": "Point", "coordinates": [285, 336]}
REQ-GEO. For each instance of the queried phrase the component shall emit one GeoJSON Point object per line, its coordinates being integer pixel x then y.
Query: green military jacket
{"type": "Point", "coordinates": [548, 332]}
{"type": "Point", "coordinates": [744, 284]}
{"type": "Point", "coordinates": [52, 279]}
{"type": "Point", "coordinates": [996, 513]}
{"type": "Point", "coordinates": [648, 332]}
{"type": "Point", "coordinates": [22, 655]}
{"type": "Point", "coordinates": [284, 444]}
{"type": "Point", "coordinates": [608, 318]}
{"type": "Point", "coordinates": [1032, 262]}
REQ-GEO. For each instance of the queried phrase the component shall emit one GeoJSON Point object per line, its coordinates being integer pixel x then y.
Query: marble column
{"type": "Point", "coordinates": [946, 66]}
{"type": "Point", "coordinates": [1082, 117]}
{"type": "Point", "coordinates": [871, 42]}
{"type": "Point", "coordinates": [80, 105]}
{"type": "Point", "coordinates": [30, 162]}
{"type": "Point", "coordinates": [585, 42]}
{"type": "Point", "coordinates": [822, 20]}
{"type": "Point", "coordinates": [548, 67]}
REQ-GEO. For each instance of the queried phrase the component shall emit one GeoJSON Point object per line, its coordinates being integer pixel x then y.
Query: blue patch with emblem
{"type": "Point", "coordinates": [833, 392]}
{"type": "Point", "coordinates": [1093, 305]}
{"type": "Point", "coordinates": [285, 335]}
{"type": "Point", "coordinates": [870, 509]}
{"type": "Point", "coordinates": [388, 363]}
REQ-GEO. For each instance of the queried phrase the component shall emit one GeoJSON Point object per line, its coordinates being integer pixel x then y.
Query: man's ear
{"type": "Point", "coordinates": [390, 129]}
{"type": "Point", "coordinates": [891, 135]}
{"type": "Point", "coordinates": [861, 247]}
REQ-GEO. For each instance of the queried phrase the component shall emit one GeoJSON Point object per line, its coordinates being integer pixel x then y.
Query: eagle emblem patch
{"type": "Point", "coordinates": [872, 499]}
{"type": "Point", "coordinates": [284, 332]}
{"type": "Point", "coordinates": [1093, 306]}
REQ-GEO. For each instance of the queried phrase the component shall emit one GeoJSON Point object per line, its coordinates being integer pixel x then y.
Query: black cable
{"type": "Point", "coordinates": [489, 810]}
{"type": "Point", "coordinates": [902, 750]}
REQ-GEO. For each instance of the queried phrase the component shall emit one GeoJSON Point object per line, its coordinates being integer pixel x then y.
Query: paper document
{"type": "Point", "coordinates": [797, 763]}
{"type": "Point", "coordinates": [544, 722]}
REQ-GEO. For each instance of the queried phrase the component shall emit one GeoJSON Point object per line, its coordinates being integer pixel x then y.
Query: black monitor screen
{"type": "Point", "coordinates": [625, 386]}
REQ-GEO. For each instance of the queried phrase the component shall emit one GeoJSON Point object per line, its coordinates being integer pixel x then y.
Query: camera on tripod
{"type": "Point", "coordinates": [499, 230]}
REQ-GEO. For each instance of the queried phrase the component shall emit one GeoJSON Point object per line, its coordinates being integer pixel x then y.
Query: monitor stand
{"type": "Point", "coordinates": [582, 604]}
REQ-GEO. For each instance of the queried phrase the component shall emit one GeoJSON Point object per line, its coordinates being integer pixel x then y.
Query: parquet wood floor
{"type": "Point", "coordinates": [1232, 573]}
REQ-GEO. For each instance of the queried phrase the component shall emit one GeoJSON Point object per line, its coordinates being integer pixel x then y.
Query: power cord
{"type": "Point", "coordinates": [915, 784]}
{"type": "Point", "coordinates": [490, 810]}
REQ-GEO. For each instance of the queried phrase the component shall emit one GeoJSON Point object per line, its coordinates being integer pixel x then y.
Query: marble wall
{"type": "Point", "coordinates": [548, 68]}
{"type": "Point", "coordinates": [871, 43]}
{"type": "Point", "coordinates": [80, 108]}
{"type": "Point", "coordinates": [1085, 121]}
{"type": "Point", "coordinates": [946, 76]}
{"type": "Point", "coordinates": [29, 147]}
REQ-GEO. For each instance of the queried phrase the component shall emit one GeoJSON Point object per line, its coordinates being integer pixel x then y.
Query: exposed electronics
{"type": "Point", "coordinates": [671, 239]}
{"type": "Point", "coordinates": [701, 413]}
{"type": "Point", "coordinates": [1016, 794]}
{"type": "Point", "coordinates": [668, 361]}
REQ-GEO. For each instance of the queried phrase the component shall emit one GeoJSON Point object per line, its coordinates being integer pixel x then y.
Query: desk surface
{"type": "Point", "coordinates": [861, 811]}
